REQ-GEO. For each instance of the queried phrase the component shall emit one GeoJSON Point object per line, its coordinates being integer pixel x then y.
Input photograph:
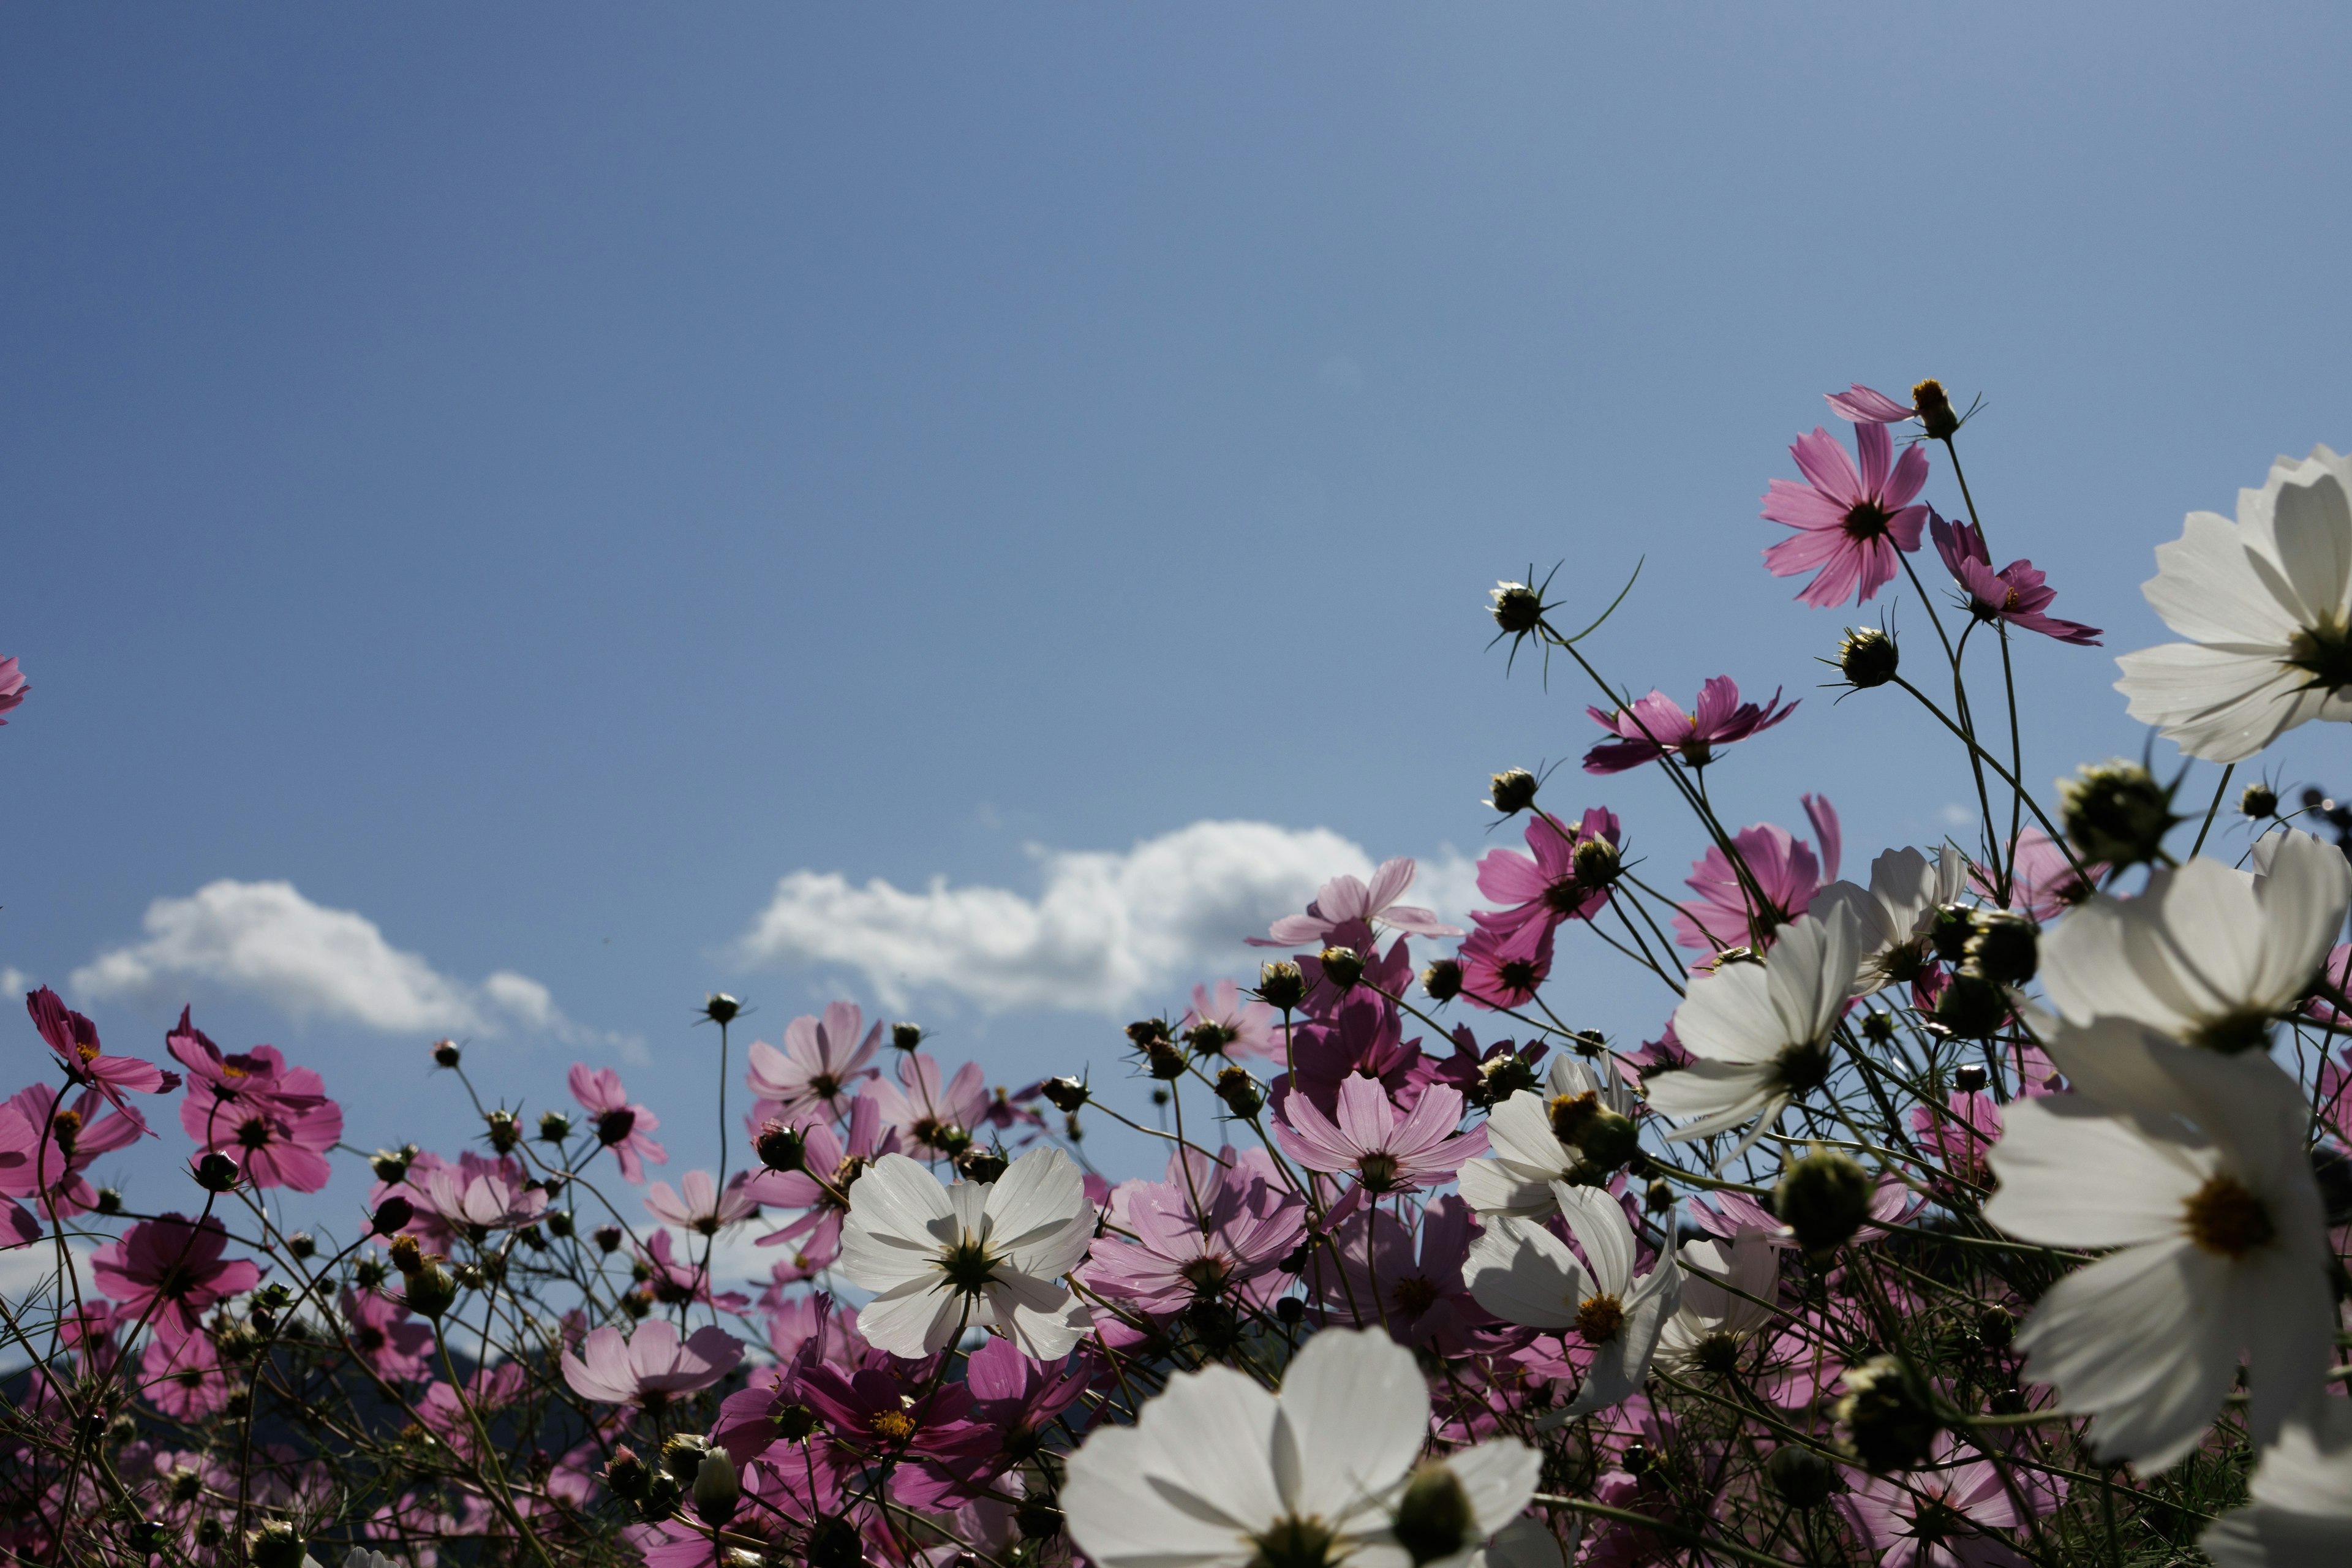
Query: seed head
{"type": "Point", "coordinates": [1867, 658]}
{"type": "Point", "coordinates": [2116, 812]}
{"type": "Point", "coordinates": [1442, 980]}
{"type": "Point", "coordinates": [1512, 790]}
{"type": "Point", "coordinates": [1823, 1197]}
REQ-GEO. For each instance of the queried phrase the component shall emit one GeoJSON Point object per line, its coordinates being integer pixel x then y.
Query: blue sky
{"type": "Point", "coordinates": [533, 479]}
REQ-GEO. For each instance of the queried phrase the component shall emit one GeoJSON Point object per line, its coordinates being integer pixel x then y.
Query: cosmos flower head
{"type": "Point", "coordinates": [1853, 524]}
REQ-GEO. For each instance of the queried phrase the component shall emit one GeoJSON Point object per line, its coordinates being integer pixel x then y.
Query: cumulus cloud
{"type": "Point", "coordinates": [264, 939]}
{"type": "Point", "coordinates": [1106, 930]}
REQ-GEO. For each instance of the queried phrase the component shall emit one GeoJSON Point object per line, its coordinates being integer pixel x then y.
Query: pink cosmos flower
{"type": "Point", "coordinates": [1485, 1078]}
{"type": "Point", "coordinates": [703, 1208]}
{"type": "Point", "coordinates": [1935, 1517]}
{"type": "Point", "coordinates": [822, 1184]}
{"type": "Point", "coordinates": [1367, 1139]}
{"type": "Point", "coordinates": [1860, 404]}
{"type": "Point", "coordinates": [1850, 525]}
{"type": "Point", "coordinates": [1346, 898]}
{"type": "Point", "coordinates": [622, 1125]}
{"type": "Point", "coordinates": [1389, 973]}
{"type": "Point", "coordinates": [817, 1070]}
{"type": "Point", "coordinates": [259, 1076]}
{"type": "Point", "coordinates": [674, 1280]}
{"type": "Point", "coordinates": [1363, 1038]}
{"type": "Point", "coordinates": [13, 690]}
{"type": "Point", "coordinates": [1656, 724]}
{"type": "Point", "coordinates": [1782, 866]}
{"type": "Point", "coordinates": [276, 1147]}
{"type": "Point", "coordinates": [2335, 975]}
{"type": "Point", "coordinates": [171, 1269]}
{"type": "Point", "coordinates": [1506, 969]}
{"type": "Point", "coordinates": [75, 1040]}
{"type": "Point", "coordinates": [935, 1119]}
{"type": "Point", "coordinates": [1214, 1229]}
{"type": "Point", "coordinates": [868, 1417]}
{"type": "Point", "coordinates": [1546, 886]}
{"type": "Point", "coordinates": [1226, 1023]}
{"type": "Point", "coordinates": [652, 1367]}
{"type": "Point", "coordinates": [428, 1225]}
{"type": "Point", "coordinates": [1018, 1395]}
{"type": "Point", "coordinates": [183, 1377]}
{"type": "Point", "coordinates": [2016, 593]}
{"type": "Point", "coordinates": [1962, 1136]}
{"type": "Point", "coordinates": [487, 1197]}
{"type": "Point", "coordinates": [2042, 882]}
{"type": "Point", "coordinates": [391, 1341]}
{"type": "Point", "coordinates": [1416, 1292]}
{"type": "Point", "coordinates": [55, 1143]}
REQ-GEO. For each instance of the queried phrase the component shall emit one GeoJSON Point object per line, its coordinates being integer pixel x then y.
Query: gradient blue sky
{"type": "Point", "coordinates": [535, 477]}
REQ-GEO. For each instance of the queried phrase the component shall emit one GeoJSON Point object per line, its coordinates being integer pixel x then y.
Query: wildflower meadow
{"type": "Point", "coordinates": [1978, 1202]}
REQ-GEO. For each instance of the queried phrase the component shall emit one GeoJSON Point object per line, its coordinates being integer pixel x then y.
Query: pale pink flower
{"type": "Point", "coordinates": [1935, 1518]}
{"type": "Point", "coordinates": [1226, 1023]}
{"type": "Point", "coordinates": [1346, 898]}
{"type": "Point", "coordinates": [477, 1202]}
{"type": "Point", "coordinates": [934, 1117]}
{"type": "Point", "coordinates": [816, 1072]}
{"type": "Point", "coordinates": [1369, 1141]}
{"type": "Point", "coordinates": [651, 1367]}
{"type": "Point", "coordinates": [13, 690]}
{"type": "Point", "coordinates": [1860, 404]}
{"type": "Point", "coordinates": [621, 1125]}
{"type": "Point", "coordinates": [1850, 525]}
{"type": "Point", "coordinates": [1782, 866]}
{"type": "Point", "coordinates": [703, 1208]}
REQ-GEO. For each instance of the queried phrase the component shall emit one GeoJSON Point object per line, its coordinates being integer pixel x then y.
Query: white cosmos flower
{"type": "Point", "coordinates": [2192, 1166]}
{"type": "Point", "coordinates": [985, 1253]}
{"type": "Point", "coordinates": [1524, 1273]}
{"type": "Point", "coordinates": [2208, 954]}
{"type": "Point", "coordinates": [2302, 1512]}
{"type": "Point", "coordinates": [1218, 1473]}
{"type": "Point", "coordinates": [2264, 602]}
{"type": "Point", "coordinates": [1527, 1135]}
{"type": "Point", "coordinates": [1893, 914]}
{"type": "Point", "coordinates": [1727, 1299]}
{"type": "Point", "coordinates": [1761, 1032]}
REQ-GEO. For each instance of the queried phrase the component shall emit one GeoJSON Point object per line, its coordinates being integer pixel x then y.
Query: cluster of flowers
{"type": "Point", "coordinates": [1993, 1212]}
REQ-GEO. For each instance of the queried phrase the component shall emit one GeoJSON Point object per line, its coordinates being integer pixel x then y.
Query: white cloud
{"type": "Point", "coordinates": [14, 980]}
{"type": "Point", "coordinates": [265, 940]}
{"type": "Point", "coordinates": [1106, 931]}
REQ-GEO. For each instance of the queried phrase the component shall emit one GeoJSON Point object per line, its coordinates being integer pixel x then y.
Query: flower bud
{"type": "Point", "coordinates": [1442, 980]}
{"type": "Point", "coordinates": [1037, 1519]}
{"type": "Point", "coordinates": [832, 1542]}
{"type": "Point", "coordinates": [1638, 1459]}
{"type": "Point", "coordinates": [431, 1291]}
{"type": "Point", "coordinates": [407, 1253]}
{"type": "Point", "coordinates": [393, 1217]}
{"type": "Point", "coordinates": [505, 1131]}
{"type": "Point", "coordinates": [277, 1544]}
{"type": "Point", "coordinates": [1290, 1310]}
{"type": "Point", "coordinates": [1516, 608]}
{"type": "Point", "coordinates": [210, 1532]}
{"type": "Point", "coordinates": [1949, 927]}
{"type": "Point", "coordinates": [681, 1455]}
{"type": "Point", "coordinates": [1501, 1078]}
{"type": "Point", "coordinates": [217, 1172]}
{"type": "Point", "coordinates": [1239, 1092]}
{"type": "Point", "coordinates": [110, 1200]}
{"type": "Point", "coordinates": [2006, 946]}
{"type": "Point", "coordinates": [1164, 1060]}
{"type": "Point", "coordinates": [1934, 410]}
{"type": "Point", "coordinates": [1867, 658]}
{"type": "Point", "coordinates": [559, 1224]}
{"type": "Point", "coordinates": [1065, 1094]}
{"type": "Point", "coordinates": [662, 1492]}
{"type": "Point", "coordinates": [1970, 1079]}
{"type": "Point", "coordinates": [301, 1244]}
{"type": "Point", "coordinates": [1609, 1139]}
{"type": "Point", "coordinates": [1342, 966]}
{"type": "Point", "coordinates": [1208, 1038]}
{"type": "Point", "coordinates": [1433, 1516]}
{"type": "Point", "coordinates": [470, 1275]}
{"type": "Point", "coordinates": [389, 1164]}
{"type": "Point", "coordinates": [1597, 863]}
{"type": "Point", "coordinates": [1971, 1008]}
{"type": "Point", "coordinates": [1878, 1027]}
{"type": "Point", "coordinates": [982, 1165]}
{"type": "Point", "coordinates": [1803, 1478]}
{"type": "Point", "coordinates": [444, 1053]}
{"type": "Point", "coordinates": [781, 1148]}
{"type": "Point", "coordinates": [2115, 812]}
{"type": "Point", "coordinates": [794, 1421]}
{"type": "Point", "coordinates": [368, 1274]}
{"type": "Point", "coordinates": [721, 1008]}
{"type": "Point", "coordinates": [718, 1493]}
{"type": "Point", "coordinates": [1146, 1033]}
{"type": "Point", "coordinates": [2260, 802]}
{"type": "Point", "coordinates": [1996, 1327]}
{"type": "Point", "coordinates": [1659, 1198]}
{"type": "Point", "coordinates": [1513, 791]}
{"type": "Point", "coordinates": [1886, 1417]}
{"type": "Point", "coordinates": [906, 1036]}
{"type": "Point", "coordinates": [554, 1127]}
{"type": "Point", "coordinates": [1823, 1198]}
{"type": "Point", "coordinates": [1281, 985]}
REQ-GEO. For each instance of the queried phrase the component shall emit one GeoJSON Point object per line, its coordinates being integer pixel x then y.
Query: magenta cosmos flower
{"type": "Point", "coordinates": [13, 690]}
{"type": "Point", "coordinates": [1506, 969]}
{"type": "Point", "coordinates": [2016, 593]}
{"type": "Point", "coordinates": [1849, 525]}
{"type": "Point", "coordinates": [818, 1070]}
{"type": "Point", "coordinates": [55, 1142]}
{"type": "Point", "coordinates": [1657, 725]}
{"type": "Point", "coordinates": [183, 1378]}
{"type": "Point", "coordinates": [1343, 899]}
{"type": "Point", "coordinates": [622, 1125]}
{"type": "Point", "coordinates": [1411, 1288]}
{"type": "Point", "coordinates": [383, 1333]}
{"type": "Point", "coordinates": [1548, 886]}
{"type": "Point", "coordinates": [830, 1164]}
{"type": "Point", "coordinates": [75, 1040]}
{"type": "Point", "coordinates": [1935, 1517]}
{"type": "Point", "coordinates": [1214, 1230]}
{"type": "Point", "coordinates": [652, 1367]}
{"type": "Point", "coordinates": [1367, 1139]}
{"type": "Point", "coordinates": [171, 1269]}
{"type": "Point", "coordinates": [1780, 866]}
{"type": "Point", "coordinates": [277, 1148]}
